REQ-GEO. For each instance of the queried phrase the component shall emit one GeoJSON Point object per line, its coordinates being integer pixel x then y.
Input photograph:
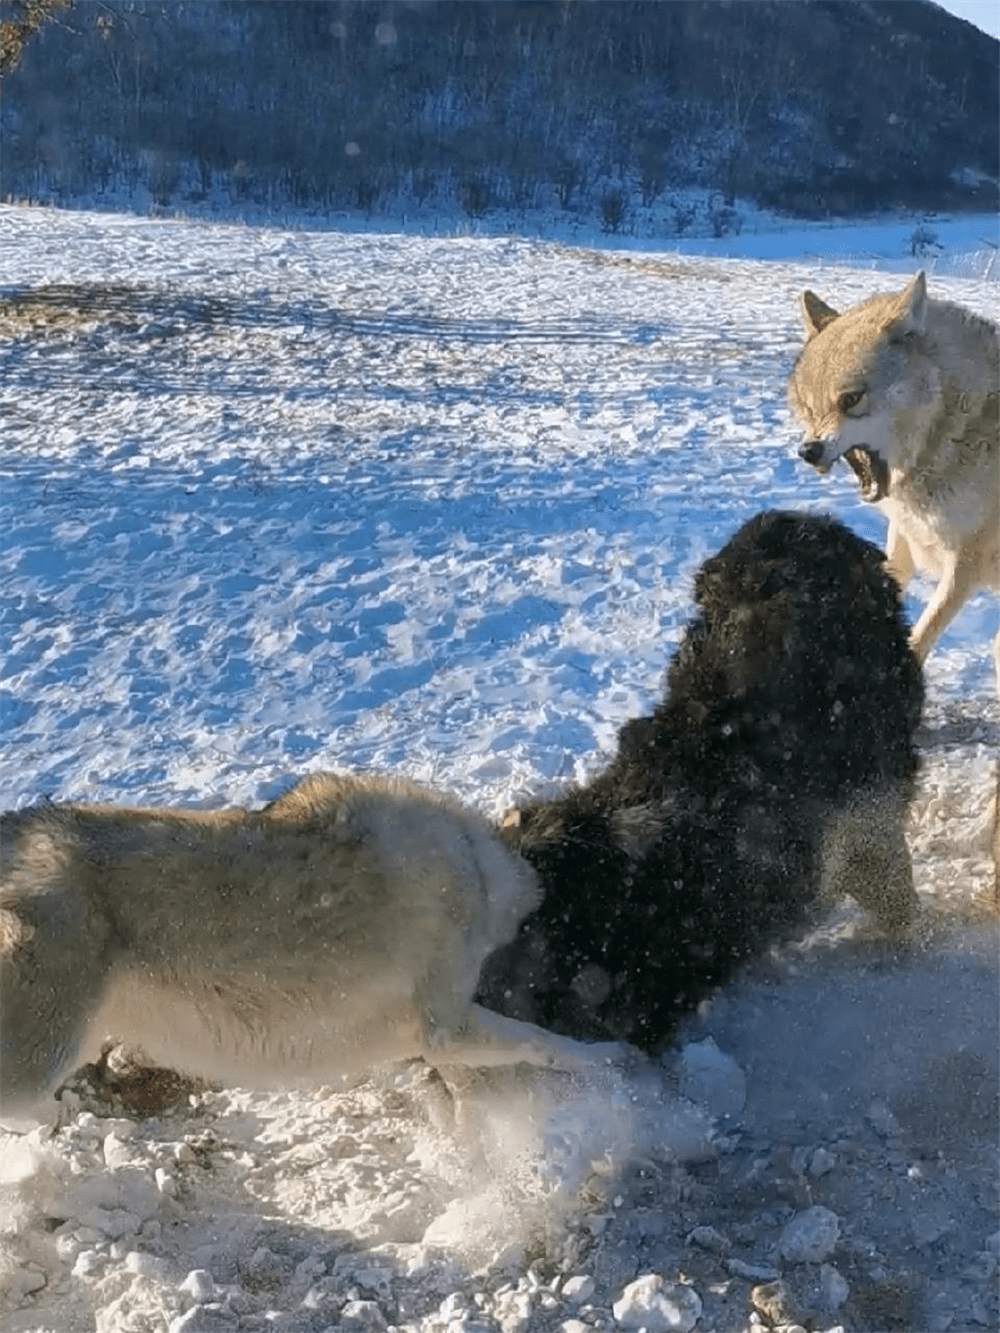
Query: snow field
{"type": "Point", "coordinates": [282, 501]}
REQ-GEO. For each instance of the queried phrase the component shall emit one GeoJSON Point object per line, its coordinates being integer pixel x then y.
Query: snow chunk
{"type": "Point", "coordinates": [199, 1284]}
{"type": "Point", "coordinates": [834, 1289]}
{"type": "Point", "coordinates": [822, 1162]}
{"type": "Point", "coordinates": [25, 1281]}
{"type": "Point", "coordinates": [708, 1238]}
{"type": "Point", "coordinates": [657, 1306]}
{"type": "Point", "coordinates": [363, 1316]}
{"type": "Point", "coordinates": [810, 1236]}
{"type": "Point", "coordinates": [576, 1290]}
{"type": "Point", "coordinates": [112, 1222]}
{"type": "Point", "coordinates": [148, 1265]}
{"type": "Point", "coordinates": [712, 1079]}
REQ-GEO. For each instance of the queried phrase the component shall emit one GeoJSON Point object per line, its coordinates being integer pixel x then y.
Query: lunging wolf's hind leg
{"type": "Point", "coordinates": [487, 1040]}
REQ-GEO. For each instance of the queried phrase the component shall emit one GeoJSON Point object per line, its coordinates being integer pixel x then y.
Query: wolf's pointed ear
{"type": "Point", "coordinates": [910, 314]}
{"type": "Point", "coordinates": [816, 314]}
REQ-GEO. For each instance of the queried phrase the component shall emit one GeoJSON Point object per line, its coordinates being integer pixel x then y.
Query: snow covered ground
{"type": "Point", "coordinates": [276, 501]}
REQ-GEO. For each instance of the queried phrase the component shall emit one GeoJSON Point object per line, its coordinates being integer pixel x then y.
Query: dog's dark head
{"type": "Point", "coordinates": [800, 620]}
{"type": "Point", "coordinates": [787, 582]}
{"type": "Point", "coordinates": [781, 554]}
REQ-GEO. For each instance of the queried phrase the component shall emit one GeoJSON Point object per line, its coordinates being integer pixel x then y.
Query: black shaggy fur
{"type": "Point", "coordinates": [793, 696]}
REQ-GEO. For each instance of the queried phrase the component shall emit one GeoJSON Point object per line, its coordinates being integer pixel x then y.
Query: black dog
{"type": "Point", "coordinates": [780, 764]}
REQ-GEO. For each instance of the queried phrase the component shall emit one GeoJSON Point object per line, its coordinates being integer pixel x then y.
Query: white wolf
{"type": "Point", "coordinates": [906, 389]}
{"type": "Point", "coordinates": [341, 926]}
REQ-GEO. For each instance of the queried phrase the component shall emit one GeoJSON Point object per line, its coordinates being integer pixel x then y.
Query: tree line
{"type": "Point", "coordinates": [816, 107]}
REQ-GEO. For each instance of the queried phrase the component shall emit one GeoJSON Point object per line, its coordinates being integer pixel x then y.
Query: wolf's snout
{"type": "Point", "coordinates": [812, 452]}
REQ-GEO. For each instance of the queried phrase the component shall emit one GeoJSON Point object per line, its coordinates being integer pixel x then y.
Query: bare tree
{"type": "Point", "coordinates": [19, 20]}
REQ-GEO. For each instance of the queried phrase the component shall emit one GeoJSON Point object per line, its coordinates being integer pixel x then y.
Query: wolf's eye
{"type": "Point", "coordinates": [849, 400]}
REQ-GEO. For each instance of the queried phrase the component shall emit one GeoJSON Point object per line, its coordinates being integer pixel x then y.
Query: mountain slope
{"type": "Point", "coordinates": [817, 107]}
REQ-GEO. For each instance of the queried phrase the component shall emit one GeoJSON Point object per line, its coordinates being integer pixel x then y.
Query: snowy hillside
{"type": "Point", "coordinates": [607, 112]}
{"type": "Point", "coordinates": [279, 501]}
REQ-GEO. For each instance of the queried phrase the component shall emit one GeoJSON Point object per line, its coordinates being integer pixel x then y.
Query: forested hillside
{"type": "Point", "coordinates": [595, 106]}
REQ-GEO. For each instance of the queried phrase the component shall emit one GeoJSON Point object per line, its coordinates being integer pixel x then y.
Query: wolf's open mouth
{"type": "Point", "coordinates": [871, 471]}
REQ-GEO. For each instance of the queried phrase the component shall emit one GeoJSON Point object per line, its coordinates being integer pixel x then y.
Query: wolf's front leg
{"type": "Point", "coordinates": [898, 556]}
{"type": "Point", "coordinates": [957, 584]}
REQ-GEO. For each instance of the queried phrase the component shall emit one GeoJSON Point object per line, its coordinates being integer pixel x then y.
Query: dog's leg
{"type": "Point", "coordinates": [865, 856]}
{"type": "Point", "coordinates": [956, 586]}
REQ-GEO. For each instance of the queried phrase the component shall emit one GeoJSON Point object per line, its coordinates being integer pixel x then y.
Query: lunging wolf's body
{"type": "Point", "coordinates": [906, 389]}
{"type": "Point", "coordinates": [777, 769]}
{"type": "Point", "coordinates": [341, 926]}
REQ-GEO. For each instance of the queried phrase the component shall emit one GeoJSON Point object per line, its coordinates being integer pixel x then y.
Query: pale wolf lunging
{"type": "Point", "coordinates": [341, 926]}
{"type": "Point", "coordinates": [906, 389]}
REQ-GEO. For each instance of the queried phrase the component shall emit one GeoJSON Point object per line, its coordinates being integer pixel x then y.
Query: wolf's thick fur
{"type": "Point", "coordinates": [778, 767]}
{"type": "Point", "coordinates": [906, 388]}
{"type": "Point", "coordinates": [341, 926]}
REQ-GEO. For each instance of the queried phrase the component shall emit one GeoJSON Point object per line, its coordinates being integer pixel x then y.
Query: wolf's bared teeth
{"type": "Point", "coordinates": [871, 471]}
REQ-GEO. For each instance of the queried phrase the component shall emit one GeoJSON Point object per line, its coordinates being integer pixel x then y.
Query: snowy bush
{"type": "Point", "coordinates": [924, 242]}
{"type": "Point", "coordinates": [612, 211]}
